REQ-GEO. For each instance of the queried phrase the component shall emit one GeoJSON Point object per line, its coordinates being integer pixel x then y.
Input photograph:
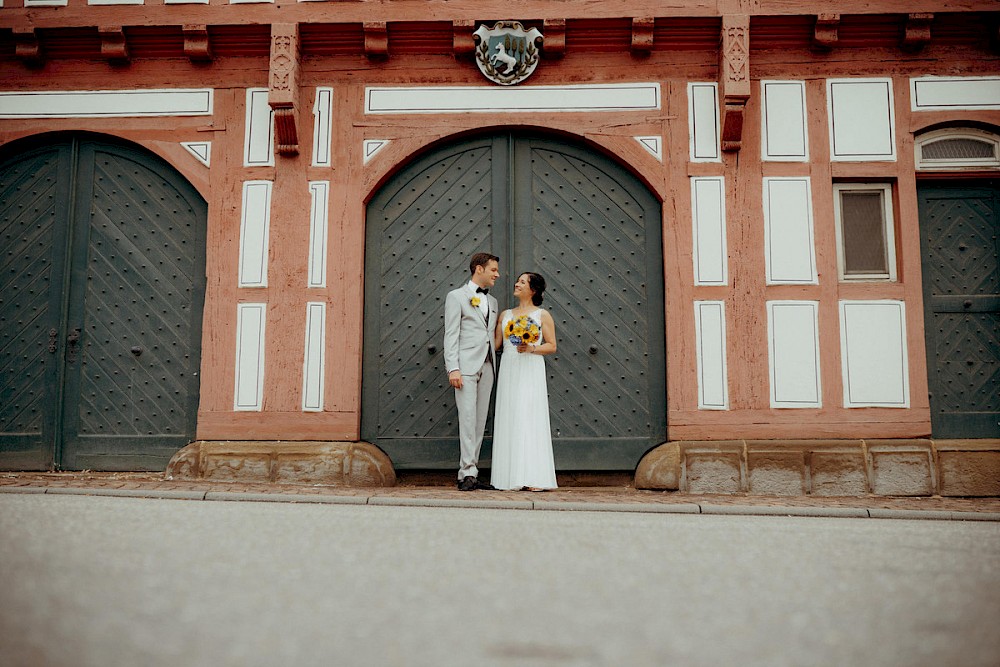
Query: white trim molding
{"type": "Point", "coordinates": [784, 124]}
{"type": "Point", "coordinates": [523, 99]}
{"type": "Point", "coordinates": [106, 103]}
{"type": "Point", "coordinates": [370, 147]}
{"type": "Point", "coordinates": [251, 319]}
{"type": "Point", "coordinates": [258, 145]}
{"type": "Point", "coordinates": [255, 224]}
{"type": "Point", "coordinates": [314, 359]}
{"type": "Point", "coordinates": [959, 163]}
{"type": "Point", "coordinates": [942, 93]}
{"type": "Point", "coordinates": [710, 341]}
{"type": "Point", "coordinates": [793, 359]}
{"type": "Point", "coordinates": [789, 245]}
{"type": "Point", "coordinates": [322, 127]}
{"type": "Point", "coordinates": [319, 195]}
{"type": "Point", "coordinates": [708, 219]}
{"type": "Point", "coordinates": [201, 150]}
{"type": "Point", "coordinates": [873, 354]}
{"type": "Point", "coordinates": [862, 120]}
{"type": "Point", "coordinates": [653, 145]}
{"type": "Point", "coordinates": [703, 122]}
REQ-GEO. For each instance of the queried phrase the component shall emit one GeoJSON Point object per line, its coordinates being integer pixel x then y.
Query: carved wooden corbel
{"type": "Point", "coordinates": [283, 86]}
{"type": "Point", "coordinates": [27, 47]}
{"type": "Point", "coordinates": [463, 45]}
{"type": "Point", "coordinates": [734, 77]}
{"type": "Point", "coordinates": [197, 46]}
{"type": "Point", "coordinates": [825, 32]}
{"type": "Point", "coordinates": [376, 40]}
{"type": "Point", "coordinates": [917, 32]}
{"type": "Point", "coordinates": [554, 38]}
{"type": "Point", "coordinates": [113, 45]}
{"type": "Point", "coordinates": [642, 36]}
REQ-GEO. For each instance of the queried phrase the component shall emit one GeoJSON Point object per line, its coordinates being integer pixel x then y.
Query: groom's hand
{"type": "Point", "coordinates": [455, 379]}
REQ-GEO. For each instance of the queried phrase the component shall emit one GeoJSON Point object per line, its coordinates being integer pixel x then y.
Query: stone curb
{"type": "Point", "coordinates": [552, 505]}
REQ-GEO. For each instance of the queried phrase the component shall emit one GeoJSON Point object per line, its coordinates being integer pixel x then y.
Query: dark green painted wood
{"type": "Point", "coordinates": [129, 310]}
{"type": "Point", "coordinates": [960, 248]}
{"type": "Point", "coordinates": [571, 214]}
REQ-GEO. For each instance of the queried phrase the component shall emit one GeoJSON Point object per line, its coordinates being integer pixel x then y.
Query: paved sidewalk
{"type": "Point", "coordinates": [587, 498]}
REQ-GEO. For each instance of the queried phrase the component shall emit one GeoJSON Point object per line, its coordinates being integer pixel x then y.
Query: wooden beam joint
{"type": "Point", "coordinates": [376, 40]}
{"type": "Point", "coordinates": [197, 45]}
{"type": "Point", "coordinates": [917, 32]}
{"type": "Point", "coordinates": [283, 86]}
{"type": "Point", "coordinates": [825, 32]}
{"type": "Point", "coordinates": [642, 36]}
{"type": "Point", "coordinates": [734, 77]}
{"type": "Point", "coordinates": [114, 47]}
{"type": "Point", "coordinates": [554, 38]}
{"type": "Point", "coordinates": [462, 43]}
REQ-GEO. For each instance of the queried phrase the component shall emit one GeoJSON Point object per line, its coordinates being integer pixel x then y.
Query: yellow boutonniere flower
{"type": "Point", "coordinates": [475, 301]}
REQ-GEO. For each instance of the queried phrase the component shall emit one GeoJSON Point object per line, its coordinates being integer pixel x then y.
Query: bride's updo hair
{"type": "Point", "coordinates": [537, 285]}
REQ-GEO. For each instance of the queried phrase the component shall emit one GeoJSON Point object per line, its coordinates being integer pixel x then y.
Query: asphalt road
{"type": "Point", "coordinates": [122, 581]}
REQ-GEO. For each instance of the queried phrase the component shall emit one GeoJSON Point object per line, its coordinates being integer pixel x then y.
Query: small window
{"type": "Point", "coordinates": [865, 240]}
{"type": "Point", "coordinates": [958, 148]}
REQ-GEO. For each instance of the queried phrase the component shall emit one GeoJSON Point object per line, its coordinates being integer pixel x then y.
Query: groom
{"type": "Point", "coordinates": [470, 316]}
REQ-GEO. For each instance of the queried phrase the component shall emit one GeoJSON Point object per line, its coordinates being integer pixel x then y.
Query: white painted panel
{"type": "Point", "coordinates": [653, 145]}
{"type": "Point", "coordinates": [708, 211]}
{"type": "Point", "coordinates": [249, 390]}
{"type": "Point", "coordinates": [185, 2]}
{"type": "Point", "coordinates": [710, 336]}
{"type": "Point", "coordinates": [862, 120]}
{"type": "Point", "coordinates": [790, 256]}
{"type": "Point", "coordinates": [254, 231]}
{"type": "Point", "coordinates": [322, 126]}
{"type": "Point", "coordinates": [315, 361]}
{"type": "Point", "coordinates": [201, 150]}
{"type": "Point", "coordinates": [873, 352]}
{"type": "Point", "coordinates": [499, 100]}
{"type": "Point", "coordinates": [247, 2]}
{"type": "Point", "coordinates": [955, 92]}
{"type": "Point", "coordinates": [45, 3]}
{"type": "Point", "coordinates": [106, 103]}
{"type": "Point", "coordinates": [258, 145]}
{"type": "Point", "coordinates": [319, 192]}
{"type": "Point", "coordinates": [371, 147]}
{"type": "Point", "coordinates": [783, 121]}
{"type": "Point", "coordinates": [703, 122]}
{"type": "Point", "coordinates": [115, 2]}
{"type": "Point", "coordinates": [793, 332]}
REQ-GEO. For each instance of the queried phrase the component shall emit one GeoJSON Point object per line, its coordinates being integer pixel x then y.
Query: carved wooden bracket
{"type": "Point", "coordinates": [197, 46]}
{"type": "Point", "coordinates": [283, 86]}
{"type": "Point", "coordinates": [917, 32]}
{"type": "Point", "coordinates": [27, 47]}
{"type": "Point", "coordinates": [734, 77]}
{"type": "Point", "coordinates": [376, 40]}
{"type": "Point", "coordinates": [554, 38]}
{"type": "Point", "coordinates": [462, 42]}
{"type": "Point", "coordinates": [642, 36]}
{"type": "Point", "coordinates": [825, 33]}
{"type": "Point", "coordinates": [113, 45]}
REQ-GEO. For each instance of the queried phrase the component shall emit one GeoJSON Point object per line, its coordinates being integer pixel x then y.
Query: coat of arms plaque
{"type": "Point", "coordinates": [507, 53]}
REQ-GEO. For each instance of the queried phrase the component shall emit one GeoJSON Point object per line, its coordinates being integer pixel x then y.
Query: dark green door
{"type": "Point", "coordinates": [960, 246]}
{"type": "Point", "coordinates": [101, 292]}
{"type": "Point", "coordinates": [575, 216]}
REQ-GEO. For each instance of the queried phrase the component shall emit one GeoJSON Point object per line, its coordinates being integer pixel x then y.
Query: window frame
{"type": "Point", "coordinates": [937, 164]}
{"type": "Point", "coordinates": [888, 228]}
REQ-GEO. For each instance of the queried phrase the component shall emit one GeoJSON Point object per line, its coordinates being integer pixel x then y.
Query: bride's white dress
{"type": "Point", "coordinates": [522, 437]}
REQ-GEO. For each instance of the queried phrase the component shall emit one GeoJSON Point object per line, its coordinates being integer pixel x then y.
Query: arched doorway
{"type": "Point", "coordinates": [960, 256]}
{"type": "Point", "coordinates": [102, 285]}
{"type": "Point", "coordinates": [542, 204]}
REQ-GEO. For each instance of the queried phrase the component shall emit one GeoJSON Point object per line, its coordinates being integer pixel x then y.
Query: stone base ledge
{"type": "Point", "coordinates": [355, 464]}
{"type": "Point", "coordinates": [897, 467]}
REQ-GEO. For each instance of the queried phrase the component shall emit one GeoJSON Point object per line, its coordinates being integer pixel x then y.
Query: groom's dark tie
{"type": "Point", "coordinates": [482, 290]}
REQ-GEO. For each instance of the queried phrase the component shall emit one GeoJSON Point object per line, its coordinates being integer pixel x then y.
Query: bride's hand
{"type": "Point", "coordinates": [523, 347]}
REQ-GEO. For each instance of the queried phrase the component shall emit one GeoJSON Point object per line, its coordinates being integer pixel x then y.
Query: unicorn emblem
{"type": "Point", "coordinates": [507, 53]}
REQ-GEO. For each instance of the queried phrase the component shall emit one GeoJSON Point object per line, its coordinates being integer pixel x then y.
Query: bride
{"type": "Point", "coordinates": [522, 438]}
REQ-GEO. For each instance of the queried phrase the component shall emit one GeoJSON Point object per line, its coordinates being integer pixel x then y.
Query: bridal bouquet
{"type": "Point", "coordinates": [522, 329]}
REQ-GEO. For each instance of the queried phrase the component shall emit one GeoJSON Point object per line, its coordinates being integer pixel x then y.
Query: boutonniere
{"type": "Point", "coordinates": [475, 301]}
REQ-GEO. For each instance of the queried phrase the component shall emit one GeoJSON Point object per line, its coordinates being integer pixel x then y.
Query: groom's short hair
{"type": "Point", "coordinates": [481, 259]}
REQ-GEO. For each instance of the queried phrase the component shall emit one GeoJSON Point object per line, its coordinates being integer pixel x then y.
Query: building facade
{"type": "Point", "coordinates": [767, 232]}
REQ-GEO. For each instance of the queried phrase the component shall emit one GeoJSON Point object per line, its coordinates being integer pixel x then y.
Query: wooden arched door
{"type": "Point", "coordinates": [102, 284]}
{"type": "Point", "coordinates": [570, 213]}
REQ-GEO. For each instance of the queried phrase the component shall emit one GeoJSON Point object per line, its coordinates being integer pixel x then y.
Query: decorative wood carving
{"type": "Point", "coordinates": [283, 82]}
{"type": "Point", "coordinates": [113, 44]}
{"type": "Point", "coordinates": [461, 38]}
{"type": "Point", "coordinates": [27, 47]}
{"type": "Point", "coordinates": [554, 42]}
{"type": "Point", "coordinates": [825, 32]}
{"type": "Point", "coordinates": [642, 36]}
{"type": "Point", "coordinates": [917, 33]}
{"type": "Point", "coordinates": [197, 46]}
{"type": "Point", "coordinates": [734, 77]}
{"type": "Point", "coordinates": [376, 40]}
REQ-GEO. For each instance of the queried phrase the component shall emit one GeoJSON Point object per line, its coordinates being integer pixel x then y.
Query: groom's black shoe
{"type": "Point", "coordinates": [468, 484]}
{"type": "Point", "coordinates": [483, 486]}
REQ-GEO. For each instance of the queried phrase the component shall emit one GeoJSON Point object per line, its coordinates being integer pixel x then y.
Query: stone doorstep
{"type": "Point", "coordinates": [889, 467]}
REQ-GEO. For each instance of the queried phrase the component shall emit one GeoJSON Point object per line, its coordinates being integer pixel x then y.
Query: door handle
{"type": "Point", "coordinates": [72, 341]}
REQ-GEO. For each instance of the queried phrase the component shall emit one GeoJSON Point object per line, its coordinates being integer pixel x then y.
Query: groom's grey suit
{"type": "Point", "coordinates": [468, 347]}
